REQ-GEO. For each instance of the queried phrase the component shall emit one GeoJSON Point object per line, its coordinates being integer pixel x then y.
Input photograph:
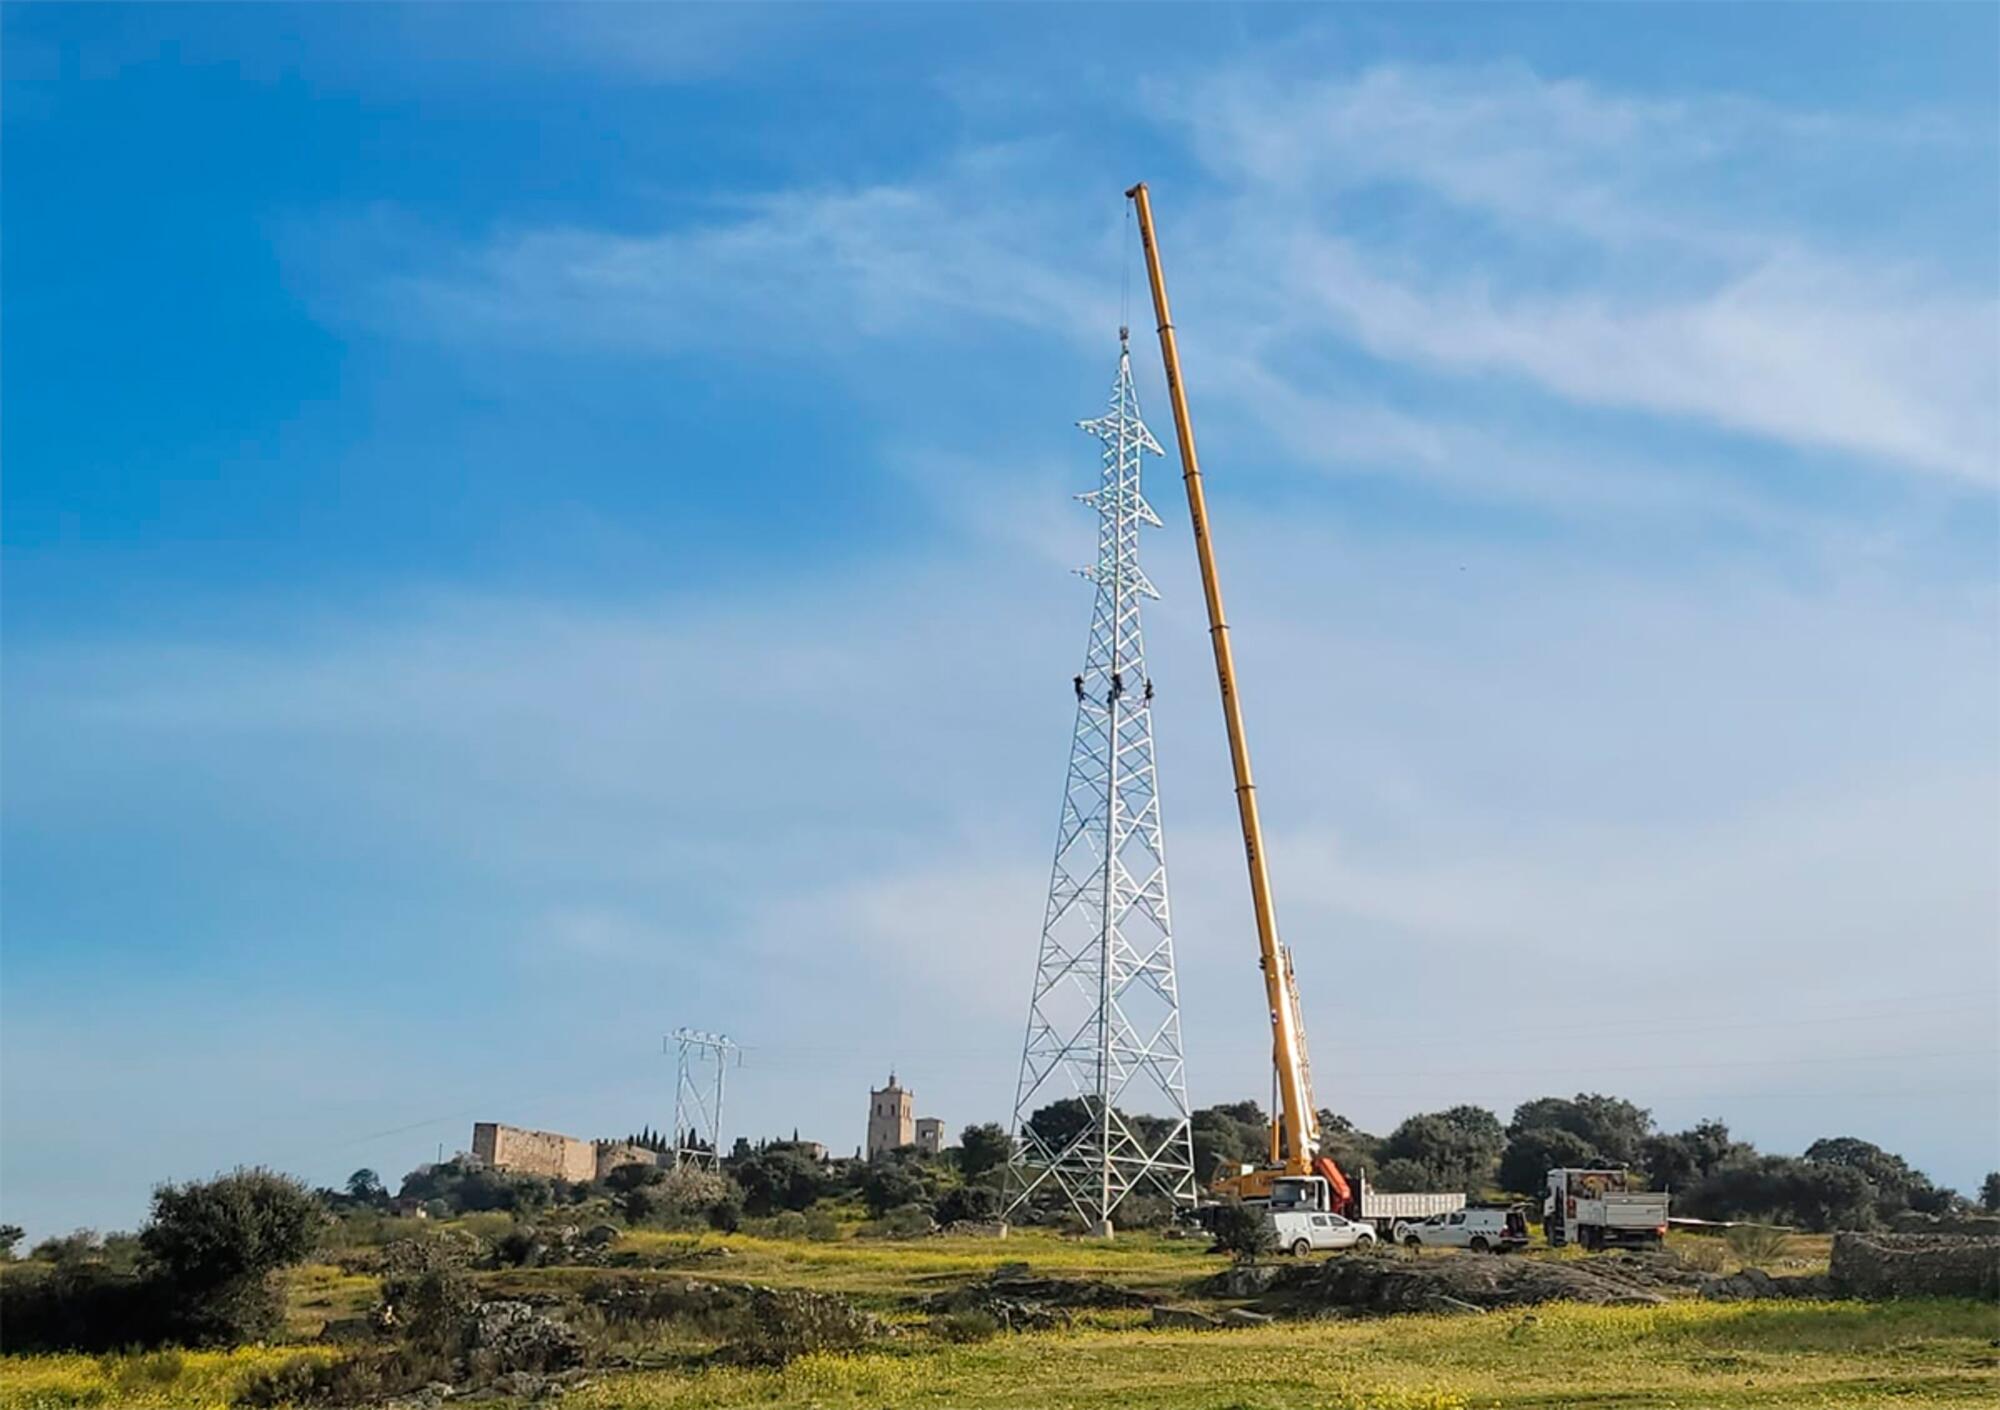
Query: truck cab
{"type": "Point", "coordinates": [1301, 1193]}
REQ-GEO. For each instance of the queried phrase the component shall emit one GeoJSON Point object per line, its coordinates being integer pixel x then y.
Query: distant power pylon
{"type": "Point", "coordinates": [1104, 1028]}
{"type": "Point", "coordinates": [697, 1106]}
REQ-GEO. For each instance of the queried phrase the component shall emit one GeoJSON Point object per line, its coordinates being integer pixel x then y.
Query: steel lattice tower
{"type": "Point", "coordinates": [1104, 1023]}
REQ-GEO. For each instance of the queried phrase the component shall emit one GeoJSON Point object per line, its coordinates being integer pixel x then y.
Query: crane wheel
{"type": "Point", "coordinates": [1301, 1247]}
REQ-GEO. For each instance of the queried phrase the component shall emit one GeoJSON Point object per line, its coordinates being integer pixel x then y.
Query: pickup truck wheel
{"type": "Point", "coordinates": [1413, 1242]}
{"type": "Point", "coordinates": [1479, 1244]}
{"type": "Point", "coordinates": [1301, 1247]}
{"type": "Point", "coordinates": [1365, 1241]}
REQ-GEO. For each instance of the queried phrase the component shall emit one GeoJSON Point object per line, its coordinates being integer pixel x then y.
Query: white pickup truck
{"type": "Point", "coordinates": [1300, 1231]}
{"type": "Point", "coordinates": [1595, 1209]}
{"type": "Point", "coordinates": [1481, 1230]}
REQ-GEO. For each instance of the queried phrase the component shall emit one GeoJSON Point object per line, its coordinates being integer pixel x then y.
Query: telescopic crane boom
{"type": "Point", "coordinates": [1295, 1143]}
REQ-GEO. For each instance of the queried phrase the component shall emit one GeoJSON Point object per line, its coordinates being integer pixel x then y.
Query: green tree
{"type": "Point", "coordinates": [1782, 1189]}
{"type": "Point", "coordinates": [1229, 1135]}
{"type": "Point", "coordinates": [1455, 1149]}
{"type": "Point", "coordinates": [982, 1148]}
{"type": "Point", "coordinates": [364, 1186]}
{"type": "Point", "coordinates": [890, 1184]}
{"type": "Point", "coordinates": [12, 1234]}
{"type": "Point", "coordinates": [778, 1178]}
{"type": "Point", "coordinates": [1612, 1126]}
{"type": "Point", "coordinates": [1402, 1176]}
{"type": "Point", "coordinates": [1347, 1145]}
{"type": "Point", "coordinates": [1989, 1192]}
{"type": "Point", "coordinates": [1532, 1153]}
{"type": "Point", "coordinates": [1061, 1121]}
{"type": "Point", "coordinates": [1897, 1185]}
{"type": "Point", "coordinates": [217, 1243]}
{"type": "Point", "coordinates": [1678, 1161]}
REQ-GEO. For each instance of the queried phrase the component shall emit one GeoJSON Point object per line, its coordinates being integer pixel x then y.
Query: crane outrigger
{"type": "Point", "coordinates": [1294, 1149]}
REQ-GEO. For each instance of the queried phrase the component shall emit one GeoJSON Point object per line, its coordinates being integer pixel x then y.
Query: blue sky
{"type": "Point", "coordinates": [527, 527]}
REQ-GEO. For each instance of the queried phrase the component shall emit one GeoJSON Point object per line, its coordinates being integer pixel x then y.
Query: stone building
{"type": "Point", "coordinates": [551, 1154]}
{"type": "Point", "coordinates": [892, 1122]}
{"type": "Point", "coordinates": [891, 1118]}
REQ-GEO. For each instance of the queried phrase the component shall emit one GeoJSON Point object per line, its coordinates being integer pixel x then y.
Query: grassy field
{"type": "Point", "coordinates": [159, 1380]}
{"type": "Point", "coordinates": [1686, 1354]}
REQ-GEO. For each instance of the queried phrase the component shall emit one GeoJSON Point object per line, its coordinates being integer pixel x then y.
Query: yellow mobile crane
{"type": "Point", "coordinates": [1294, 1150]}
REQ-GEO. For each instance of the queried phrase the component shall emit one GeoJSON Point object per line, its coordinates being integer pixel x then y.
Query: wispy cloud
{"type": "Point", "coordinates": [1641, 254]}
{"type": "Point", "coordinates": [1617, 269]}
{"type": "Point", "coordinates": [820, 267]}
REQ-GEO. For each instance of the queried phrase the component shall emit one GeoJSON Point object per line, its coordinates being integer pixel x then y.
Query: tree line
{"type": "Point", "coordinates": [1838, 1182]}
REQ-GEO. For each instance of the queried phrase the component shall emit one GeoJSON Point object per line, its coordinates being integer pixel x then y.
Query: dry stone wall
{"type": "Point", "coordinates": [1917, 1265]}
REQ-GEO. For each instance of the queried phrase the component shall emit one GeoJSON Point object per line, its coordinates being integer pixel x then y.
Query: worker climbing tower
{"type": "Point", "coordinates": [1102, 1058]}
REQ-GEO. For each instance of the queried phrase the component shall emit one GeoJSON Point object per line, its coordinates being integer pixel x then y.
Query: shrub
{"type": "Point", "coordinates": [149, 1371]}
{"type": "Point", "coordinates": [778, 1179]}
{"type": "Point", "coordinates": [1145, 1212]}
{"type": "Point", "coordinates": [1240, 1230]}
{"type": "Point", "coordinates": [969, 1326]}
{"type": "Point", "coordinates": [784, 1323]}
{"type": "Point", "coordinates": [976, 1202]}
{"type": "Point", "coordinates": [1704, 1255]}
{"type": "Point", "coordinates": [726, 1214]}
{"type": "Point", "coordinates": [789, 1225]}
{"type": "Point", "coordinates": [682, 1200]}
{"type": "Point", "coordinates": [432, 1307]}
{"type": "Point", "coordinates": [821, 1227]}
{"type": "Point", "coordinates": [1756, 1244]}
{"type": "Point", "coordinates": [84, 1307]}
{"type": "Point", "coordinates": [365, 1379]}
{"type": "Point", "coordinates": [909, 1221]}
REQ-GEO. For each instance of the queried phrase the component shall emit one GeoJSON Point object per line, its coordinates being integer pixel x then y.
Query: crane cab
{"type": "Point", "coordinates": [1303, 1193]}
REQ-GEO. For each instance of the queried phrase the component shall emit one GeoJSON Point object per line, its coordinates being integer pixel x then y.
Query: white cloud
{"type": "Point", "coordinates": [1622, 269]}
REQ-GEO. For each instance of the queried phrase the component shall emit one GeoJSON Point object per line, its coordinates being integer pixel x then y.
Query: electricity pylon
{"type": "Point", "coordinates": [1104, 1027]}
{"type": "Point", "coordinates": [698, 1110]}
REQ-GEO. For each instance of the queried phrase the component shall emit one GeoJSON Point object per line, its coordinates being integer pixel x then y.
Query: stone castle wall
{"type": "Point", "coordinates": [544, 1153]}
{"type": "Point", "coordinates": [611, 1155]}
